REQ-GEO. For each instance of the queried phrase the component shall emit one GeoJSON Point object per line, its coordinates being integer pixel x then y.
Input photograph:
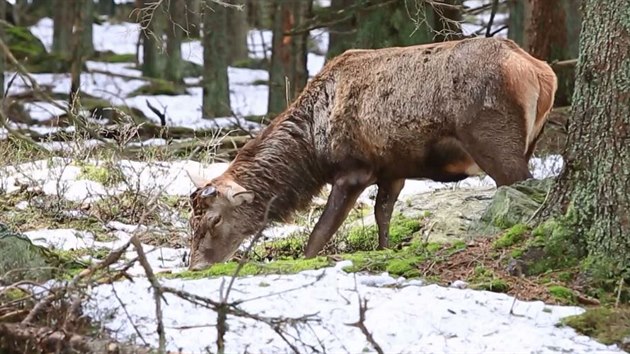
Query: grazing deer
{"type": "Point", "coordinates": [442, 111]}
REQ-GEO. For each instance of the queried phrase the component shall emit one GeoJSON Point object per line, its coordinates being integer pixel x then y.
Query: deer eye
{"type": "Point", "coordinates": [208, 192]}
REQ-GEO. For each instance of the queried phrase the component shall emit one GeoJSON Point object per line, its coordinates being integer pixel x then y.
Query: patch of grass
{"type": "Point", "coordinates": [485, 279]}
{"type": "Point", "coordinates": [511, 237]}
{"type": "Point", "coordinates": [365, 238]}
{"type": "Point", "coordinates": [108, 175]}
{"type": "Point", "coordinates": [607, 325]}
{"type": "Point", "coordinates": [281, 266]}
{"type": "Point", "coordinates": [562, 293]}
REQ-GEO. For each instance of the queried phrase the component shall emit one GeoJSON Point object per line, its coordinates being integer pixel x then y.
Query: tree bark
{"type": "Point", "coordinates": [390, 25]}
{"type": "Point", "coordinates": [520, 13]}
{"type": "Point", "coordinates": [153, 63]}
{"type": "Point", "coordinates": [237, 34]}
{"type": "Point", "coordinates": [87, 40]}
{"type": "Point", "coordinates": [192, 18]}
{"type": "Point", "coordinates": [216, 88]}
{"type": "Point", "coordinates": [547, 38]}
{"type": "Point", "coordinates": [78, 56]}
{"type": "Point", "coordinates": [3, 9]}
{"type": "Point", "coordinates": [595, 183]}
{"type": "Point", "coordinates": [446, 21]}
{"type": "Point", "coordinates": [341, 35]}
{"type": "Point", "coordinates": [288, 54]}
{"type": "Point", "coordinates": [106, 7]}
{"type": "Point", "coordinates": [174, 34]}
{"type": "Point", "coordinates": [62, 27]}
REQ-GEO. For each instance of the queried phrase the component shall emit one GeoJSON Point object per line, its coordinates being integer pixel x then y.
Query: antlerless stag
{"type": "Point", "coordinates": [442, 111]}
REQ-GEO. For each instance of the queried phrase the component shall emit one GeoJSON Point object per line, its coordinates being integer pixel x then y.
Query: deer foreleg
{"type": "Point", "coordinates": [345, 191]}
{"type": "Point", "coordinates": [385, 199]}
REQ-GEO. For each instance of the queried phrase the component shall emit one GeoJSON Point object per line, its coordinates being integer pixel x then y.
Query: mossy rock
{"type": "Point", "coordinates": [607, 325]}
{"type": "Point", "coordinates": [20, 259]}
{"type": "Point", "coordinates": [511, 237]}
{"type": "Point", "coordinates": [562, 294]}
{"type": "Point", "coordinates": [512, 205]}
{"type": "Point", "coordinates": [159, 87]}
{"type": "Point", "coordinates": [112, 57]}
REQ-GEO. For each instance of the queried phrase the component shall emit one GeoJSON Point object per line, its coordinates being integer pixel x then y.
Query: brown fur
{"type": "Point", "coordinates": [381, 116]}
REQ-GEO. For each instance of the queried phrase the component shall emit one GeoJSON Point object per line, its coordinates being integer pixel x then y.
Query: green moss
{"type": "Point", "coordinates": [511, 237]}
{"type": "Point", "coordinates": [561, 248]}
{"type": "Point", "coordinates": [365, 238]}
{"type": "Point", "coordinates": [406, 267]}
{"type": "Point", "coordinates": [607, 325]}
{"type": "Point", "coordinates": [111, 57]}
{"type": "Point", "coordinates": [256, 268]}
{"type": "Point", "coordinates": [159, 87]}
{"type": "Point", "coordinates": [23, 44]}
{"type": "Point", "coordinates": [106, 175]}
{"type": "Point", "coordinates": [562, 293]}
{"type": "Point", "coordinates": [485, 279]}
{"type": "Point", "coordinates": [494, 285]}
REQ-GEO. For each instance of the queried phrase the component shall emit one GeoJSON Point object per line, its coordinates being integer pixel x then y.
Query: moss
{"type": "Point", "coordinates": [560, 247]}
{"type": "Point", "coordinates": [562, 293]}
{"type": "Point", "coordinates": [406, 267]}
{"type": "Point", "coordinates": [514, 204]}
{"type": "Point", "coordinates": [23, 44]}
{"type": "Point", "coordinates": [251, 63]}
{"type": "Point", "coordinates": [485, 279]}
{"type": "Point", "coordinates": [365, 238]}
{"type": "Point", "coordinates": [256, 268]}
{"type": "Point", "coordinates": [511, 237]}
{"type": "Point", "coordinates": [111, 57]}
{"type": "Point", "coordinates": [607, 325]}
{"type": "Point", "coordinates": [494, 285]}
{"type": "Point", "coordinates": [159, 87]}
{"type": "Point", "coordinates": [106, 175]}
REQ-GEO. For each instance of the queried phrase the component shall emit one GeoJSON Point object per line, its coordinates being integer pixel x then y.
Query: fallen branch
{"type": "Point", "coordinates": [52, 341]}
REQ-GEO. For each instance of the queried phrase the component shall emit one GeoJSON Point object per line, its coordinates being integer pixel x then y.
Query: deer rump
{"type": "Point", "coordinates": [441, 111]}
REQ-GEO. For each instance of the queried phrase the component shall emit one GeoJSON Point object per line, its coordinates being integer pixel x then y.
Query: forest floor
{"type": "Point", "coordinates": [461, 269]}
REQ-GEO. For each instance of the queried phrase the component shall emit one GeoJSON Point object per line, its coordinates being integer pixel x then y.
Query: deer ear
{"type": "Point", "coordinates": [196, 179]}
{"type": "Point", "coordinates": [238, 195]}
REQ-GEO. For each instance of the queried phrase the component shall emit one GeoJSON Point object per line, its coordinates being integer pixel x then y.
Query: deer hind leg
{"type": "Point", "coordinates": [386, 197]}
{"type": "Point", "coordinates": [497, 143]}
{"type": "Point", "coordinates": [345, 190]}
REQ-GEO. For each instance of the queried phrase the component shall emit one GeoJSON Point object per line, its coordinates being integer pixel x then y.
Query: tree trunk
{"type": "Point", "coordinates": [174, 34]}
{"type": "Point", "coordinates": [19, 8]}
{"type": "Point", "coordinates": [446, 21]}
{"type": "Point", "coordinates": [216, 93]}
{"type": "Point", "coordinates": [237, 34]}
{"type": "Point", "coordinates": [153, 63]}
{"type": "Point", "coordinates": [106, 7]}
{"type": "Point", "coordinates": [62, 27]}
{"type": "Point", "coordinates": [390, 25]}
{"type": "Point", "coordinates": [87, 40]}
{"type": "Point", "coordinates": [78, 55]}
{"type": "Point", "coordinates": [547, 35]}
{"type": "Point", "coordinates": [341, 35]}
{"type": "Point", "coordinates": [288, 54]}
{"type": "Point", "coordinates": [595, 183]}
{"type": "Point", "coordinates": [3, 9]}
{"type": "Point", "coordinates": [520, 12]}
{"type": "Point", "coordinates": [192, 18]}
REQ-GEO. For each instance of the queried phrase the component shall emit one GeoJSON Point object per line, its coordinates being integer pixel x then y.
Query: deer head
{"type": "Point", "coordinates": [217, 228]}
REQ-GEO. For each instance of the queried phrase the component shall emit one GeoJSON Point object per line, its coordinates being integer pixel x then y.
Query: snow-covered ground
{"type": "Point", "coordinates": [404, 316]}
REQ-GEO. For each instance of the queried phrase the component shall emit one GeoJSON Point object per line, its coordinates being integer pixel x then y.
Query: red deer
{"type": "Point", "coordinates": [443, 111]}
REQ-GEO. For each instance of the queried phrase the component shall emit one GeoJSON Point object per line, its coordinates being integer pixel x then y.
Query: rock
{"type": "Point", "coordinates": [20, 259]}
{"type": "Point", "coordinates": [459, 284]}
{"type": "Point", "coordinates": [514, 204]}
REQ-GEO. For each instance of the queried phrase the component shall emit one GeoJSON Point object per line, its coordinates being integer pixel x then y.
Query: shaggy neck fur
{"type": "Point", "coordinates": [280, 161]}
